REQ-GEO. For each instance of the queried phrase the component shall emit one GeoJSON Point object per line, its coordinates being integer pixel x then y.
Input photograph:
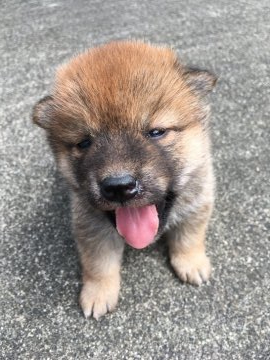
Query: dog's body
{"type": "Point", "coordinates": [128, 125]}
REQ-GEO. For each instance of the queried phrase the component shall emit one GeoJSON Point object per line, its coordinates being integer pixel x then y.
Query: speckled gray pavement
{"type": "Point", "coordinates": [157, 317]}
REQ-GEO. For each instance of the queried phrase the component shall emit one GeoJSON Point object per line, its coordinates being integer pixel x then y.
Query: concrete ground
{"type": "Point", "coordinates": [157, 317]}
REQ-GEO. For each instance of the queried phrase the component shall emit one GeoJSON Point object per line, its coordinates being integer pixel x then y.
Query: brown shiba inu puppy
{"type": "Point", "coordinates": [128, 125]}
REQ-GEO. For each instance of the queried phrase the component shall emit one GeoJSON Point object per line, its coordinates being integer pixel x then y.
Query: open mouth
{"type": "Point", "coordinates": [139, 226]}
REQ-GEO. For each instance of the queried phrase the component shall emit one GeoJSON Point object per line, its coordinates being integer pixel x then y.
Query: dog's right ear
{"type": "Point", "coordinates": [42, 112]}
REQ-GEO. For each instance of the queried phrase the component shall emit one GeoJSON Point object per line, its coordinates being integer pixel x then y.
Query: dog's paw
{"type": "Point", "coordinates": [99, 297]}
{"type": "Point", "coordinates": [192, 268]}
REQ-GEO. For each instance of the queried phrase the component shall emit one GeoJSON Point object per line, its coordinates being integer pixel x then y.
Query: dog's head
{"type": "Point", "coordinates": [127, 124]}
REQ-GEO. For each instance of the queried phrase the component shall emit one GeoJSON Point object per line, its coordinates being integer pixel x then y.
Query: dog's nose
{"type": "Point", "coordinates": [119, 189]}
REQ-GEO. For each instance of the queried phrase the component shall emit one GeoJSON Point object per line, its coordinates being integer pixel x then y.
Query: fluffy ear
{"type": "Point", "coordinates": [201, 82]}
{"type": "Point", "coordinates": [42, 112]}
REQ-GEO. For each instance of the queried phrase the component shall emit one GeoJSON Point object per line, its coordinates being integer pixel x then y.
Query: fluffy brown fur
{"type": "Point", "coordinates": [99, 119]}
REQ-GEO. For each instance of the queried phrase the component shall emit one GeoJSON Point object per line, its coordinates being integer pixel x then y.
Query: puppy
{"type": "Point", "coordinates": [128, 125]}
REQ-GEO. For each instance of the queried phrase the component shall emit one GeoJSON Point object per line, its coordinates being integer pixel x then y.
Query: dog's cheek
{"type": "Point", "coordinates": [194, 150]}
{"type": "Point", "coordinates": [65, 166]}
{"type": "Point", "coordinates": [85, 170]}
{"type": "Point", "coordinates": [154, 179]}
{"type": "Point", "coordinates": [195, 146]}
{"type": "Point", "coordinates": [160, 169]}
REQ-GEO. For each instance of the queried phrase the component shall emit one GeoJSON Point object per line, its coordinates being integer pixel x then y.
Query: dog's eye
{"type": "Point", "coordinates": [84, 144]}
{"type": "Point", "coordinates": [156, 133]}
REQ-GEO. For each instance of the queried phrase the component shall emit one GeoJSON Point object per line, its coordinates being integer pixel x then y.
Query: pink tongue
{"type": "Point", "coordinates": [137, 225]}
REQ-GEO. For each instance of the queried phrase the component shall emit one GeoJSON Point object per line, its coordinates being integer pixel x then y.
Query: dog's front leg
{"type": "Point", "coordinates": [100, 249]}
{"type": "Point", "coordinates": [187, 248]}
{"type": "Point", "coordinates": [101, 262]}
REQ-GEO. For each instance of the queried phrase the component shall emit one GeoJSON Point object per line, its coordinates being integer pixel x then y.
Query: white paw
{"type": "Point", "coordinates": [192, 268]}
{"type": "Point", "coordinates": [99, 297]}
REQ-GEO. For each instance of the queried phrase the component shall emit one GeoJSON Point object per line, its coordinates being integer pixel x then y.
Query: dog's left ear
{"type": "Point", "coordinates": [43, 112]}
{"type": "Point", "coordinates": [200, 82]}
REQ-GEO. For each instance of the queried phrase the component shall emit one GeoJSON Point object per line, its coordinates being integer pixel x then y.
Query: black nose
{"type": "Point", "coordinates": [119, 189]}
